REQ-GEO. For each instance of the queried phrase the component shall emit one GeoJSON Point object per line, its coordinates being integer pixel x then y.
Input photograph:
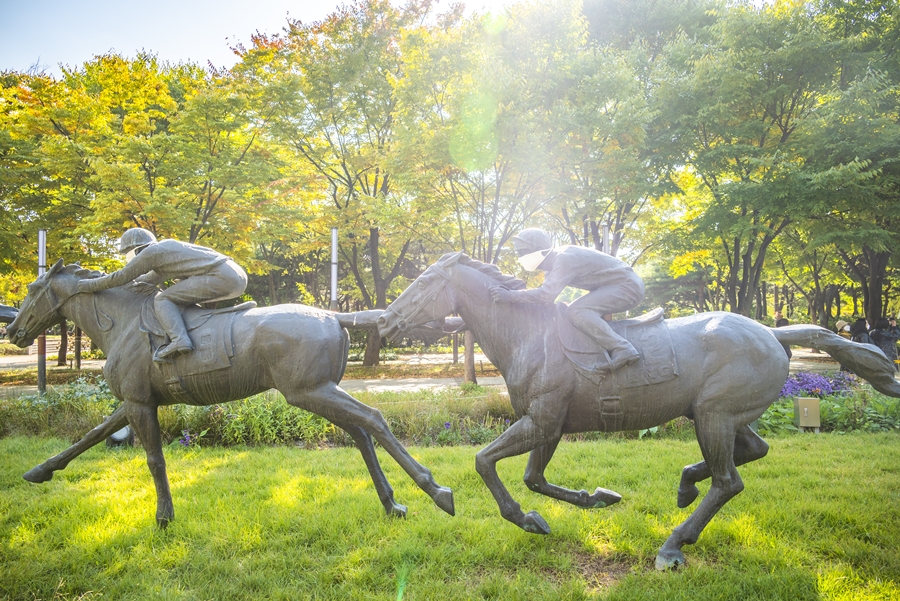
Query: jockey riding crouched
{"type": "Point", "coordinates": [613, 287]}
{"type": "Point", "coordinates": [204, 276]}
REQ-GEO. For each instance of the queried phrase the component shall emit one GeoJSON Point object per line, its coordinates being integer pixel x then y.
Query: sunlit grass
{"type": "Point", "coordinates": [818, 520]}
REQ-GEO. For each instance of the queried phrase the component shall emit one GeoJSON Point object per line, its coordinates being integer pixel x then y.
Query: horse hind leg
{"type": "Point", "coordinates": [335, 405]}
{"type": "Point", "coordinates": [112, 424]}
{"type": "Point", "coordinates": [716, 438]}
{"type": "Point", "coordinates": [535, 480]}
{"type": "Point", "coordinates": [385, 492]}
{"type": "Point", "coordinates": [748, 446]}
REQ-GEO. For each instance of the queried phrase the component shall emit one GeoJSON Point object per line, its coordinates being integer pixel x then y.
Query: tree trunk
{"type": "Point", "coordinates": [63, 344]}
{"type": "Point", "coordinates": [469, 357]}
{"type": "Point", "coordinates": [272, 297]}
{"type": "Point", "coordinates": [373, 348]}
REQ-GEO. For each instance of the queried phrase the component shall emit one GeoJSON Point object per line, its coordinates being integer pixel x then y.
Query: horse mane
{"type": "Point", "coordinates": [81, 272]}
{"type": "Point", "coordinates": [493, 272]}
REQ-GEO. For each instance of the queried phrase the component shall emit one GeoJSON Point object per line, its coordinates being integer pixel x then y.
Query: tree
{"type": "Point", "coordinates": [734, 107]}
{"type": "Point", "coordinates": [335, 83]}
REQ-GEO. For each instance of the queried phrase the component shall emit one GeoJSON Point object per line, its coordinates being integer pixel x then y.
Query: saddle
{"type": "Point", "coordinates": [649, 335]}
{"type": "Point", "coordinates": [210, 331]}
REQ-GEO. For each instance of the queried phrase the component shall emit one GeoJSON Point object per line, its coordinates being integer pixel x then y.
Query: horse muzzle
{"type": "Point", "coordinates": [389, 325]}
{"type": "Point", "coordinates": [20, 338]}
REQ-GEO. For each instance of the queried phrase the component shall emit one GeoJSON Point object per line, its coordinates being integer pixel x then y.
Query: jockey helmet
{"type": "Point", "coordinates": [135, 238]}
{"type": "Point", "coordinates": [532, 240]}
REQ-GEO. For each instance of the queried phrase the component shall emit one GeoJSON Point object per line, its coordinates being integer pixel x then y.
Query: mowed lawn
{"type": "Point", "coordinates": [819, 519]}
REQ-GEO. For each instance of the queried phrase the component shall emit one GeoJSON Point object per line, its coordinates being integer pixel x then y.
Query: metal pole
{"type": "Point", "coordinates": [42, 339]}
{"type": "Point", "coordinates": [334, 268]}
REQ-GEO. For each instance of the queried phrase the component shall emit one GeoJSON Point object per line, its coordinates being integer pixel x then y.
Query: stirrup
{"type": "Point", "coordinates": [622, 361]}
{"type": "Point", "coordinates": [163, 353]}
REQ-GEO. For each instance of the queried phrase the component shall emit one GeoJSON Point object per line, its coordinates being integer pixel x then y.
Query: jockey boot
{"type": "Point", "coordinates": [169, 315]}
{"type": "Point", "coordinates": [621, 352]}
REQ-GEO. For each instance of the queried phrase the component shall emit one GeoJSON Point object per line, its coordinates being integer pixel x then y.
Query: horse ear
{"type": "Point", "coordinates": [56, 267]}
{"type": "Point", "coordinates": [450, 259]}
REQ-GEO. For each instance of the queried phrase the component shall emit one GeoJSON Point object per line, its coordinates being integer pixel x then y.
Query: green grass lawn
{"type": "Point", "coordinates": [819, 519]}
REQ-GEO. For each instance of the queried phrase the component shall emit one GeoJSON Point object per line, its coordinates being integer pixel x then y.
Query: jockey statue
{"type": "Point", "coordinates": [612, 287]}
{"type": "Point", "coordinates": [203, 275]}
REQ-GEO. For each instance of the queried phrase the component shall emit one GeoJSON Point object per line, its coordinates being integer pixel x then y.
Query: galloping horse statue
{"type": "Point", "coordinates": [300, 351]}
{"type": "Point", "coordinates": [721, 370]}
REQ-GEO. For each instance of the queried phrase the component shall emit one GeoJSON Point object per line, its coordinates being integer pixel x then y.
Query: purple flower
{"type": "Point", "coordinates": [447, 425]}
{"type": "Point", "coordinates": [814, 384]}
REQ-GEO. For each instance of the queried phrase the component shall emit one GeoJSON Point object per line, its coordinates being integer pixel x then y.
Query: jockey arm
{"type": "Point", "coordinates": [555, 281]}
{"type": "Point", "coordinates": [141, 268]}
{"type": "Point", "coordinates": [545, 294]}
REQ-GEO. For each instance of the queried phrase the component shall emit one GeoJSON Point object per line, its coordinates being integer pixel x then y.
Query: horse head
{"type": "Point", "coordinates": [429, 298]}
{"type": "Point", "coordinates": [39, 310]}
{"type": "Point", "coordinates": [422, 302]}
{"type": "Point", "coordinates": [46, 295]}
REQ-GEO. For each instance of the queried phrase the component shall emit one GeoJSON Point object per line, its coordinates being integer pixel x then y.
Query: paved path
{"type": "Point", "coordinates": [803, 360]}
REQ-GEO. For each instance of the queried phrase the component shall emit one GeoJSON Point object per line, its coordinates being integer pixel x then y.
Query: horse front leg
{"type": "Point", "coordinates": [112, 424]}
{"type": "Point", "coordinates": [535, 480]}
{"type": "Point", "coordinates": [385, 492]}
{"type": "Point", "coordinates": [521, 437]}
{"type": "Point", "coordinates": [145, 421]}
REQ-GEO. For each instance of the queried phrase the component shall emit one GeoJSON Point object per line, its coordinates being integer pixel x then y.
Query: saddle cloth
{"type": "Point", "coordinates": [210, 331]}
{"type": "Point", "coordinates": [649, 335]}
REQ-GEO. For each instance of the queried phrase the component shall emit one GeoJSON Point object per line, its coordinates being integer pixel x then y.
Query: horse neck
{"type": "Point", "coordinates": [104, 315]}
{"type": "Point", "coordinates": [505, 332]}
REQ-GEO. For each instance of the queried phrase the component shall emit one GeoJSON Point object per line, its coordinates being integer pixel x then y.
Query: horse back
{"type": "Point", "coordinates": [283, 347]}
{"type": "Point", "coordinates": [722, 359]}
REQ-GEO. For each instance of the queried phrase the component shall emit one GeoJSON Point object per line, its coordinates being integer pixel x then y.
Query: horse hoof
{"type": "Point", "coordinates": [163, 520]}
{"type": "Point", "coordinates": [687, 495]}
{"type": "Point", "coordinates": [443, 498]}
{"type": "Point", "coordinates": [603, 498]}
{"type": "Point", "coordinates": [669, 560]}
{"type": "Point", "coordinates": [535, 524]}
{"type": "Point", "coordinates": [396, 510]}
{"type": "Point", "coordinates": [38, 474]}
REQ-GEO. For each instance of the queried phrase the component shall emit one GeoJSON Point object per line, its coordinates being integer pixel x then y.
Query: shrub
{"type": "Point", "coordinates": [8, 348]}
{"type": "Point", "coordinates": [65, 411]}
{"type": "Point", "coordinates": [846, 405]}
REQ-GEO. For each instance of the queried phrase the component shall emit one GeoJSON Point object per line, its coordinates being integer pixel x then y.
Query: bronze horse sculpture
{"type": "Point", "coordinates": [729, 370]}
{"type": "Point", "coordinates": [298, 350]}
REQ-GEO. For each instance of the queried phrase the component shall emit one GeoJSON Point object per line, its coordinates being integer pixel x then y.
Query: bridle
{"type": "Point", "coordinates": [54, 302]}
{"type": "Point", "coordinates": [403, 320]}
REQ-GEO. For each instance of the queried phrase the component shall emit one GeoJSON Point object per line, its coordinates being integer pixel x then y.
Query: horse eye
{"type": "Point", "coordinates": [421, 283]}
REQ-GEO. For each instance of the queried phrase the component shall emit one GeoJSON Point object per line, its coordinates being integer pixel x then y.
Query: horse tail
{"type": "Point", "coordinates": [865, 360]}
{"type": "Point", "coordinates": [359, 319]}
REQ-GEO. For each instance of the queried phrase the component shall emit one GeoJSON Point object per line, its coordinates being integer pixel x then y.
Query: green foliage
{"type": "Point", "coordinates": [65, 411]}
{"type": "Point", "coordinates": [7, 348]}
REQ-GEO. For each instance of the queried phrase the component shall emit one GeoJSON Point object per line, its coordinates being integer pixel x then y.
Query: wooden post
{"type": "Point", "coordinates": [77, 351]}
{"type": "Point", "coordinates": [61, 355]}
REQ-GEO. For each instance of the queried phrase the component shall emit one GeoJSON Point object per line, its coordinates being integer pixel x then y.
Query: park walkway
{"type": "Point", "coordinates": [803, 360]}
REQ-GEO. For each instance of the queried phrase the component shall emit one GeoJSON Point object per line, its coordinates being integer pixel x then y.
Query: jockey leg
{"type": "Point", "coordinates": [223, 281]}
{"type": "Point", "coordinates": [586, 314]}
{"type": "Point", "coordinates": [169, 315]}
